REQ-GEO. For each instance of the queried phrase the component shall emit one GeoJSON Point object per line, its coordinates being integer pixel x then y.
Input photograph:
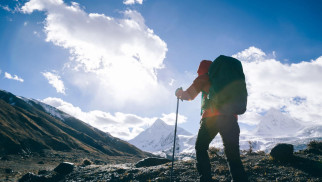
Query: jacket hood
{"type": "Point", "coordinates": [204, 67]}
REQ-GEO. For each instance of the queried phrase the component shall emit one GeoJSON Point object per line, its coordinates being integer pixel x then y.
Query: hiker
{"type": "Point", "coordinates": [214, 122]}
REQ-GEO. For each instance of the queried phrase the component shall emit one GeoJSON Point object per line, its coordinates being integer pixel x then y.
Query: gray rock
{"type": "Point", "coordinates": [64, 168]}
{"type": "Point", "coordinates": [31, 177]}
{"type": "Point", "coordinates": [151, 161]}
{"type": "Point", "coordinates": [282, 152]}
{"type": "Point", "coordinates": [87, 162]}
{"type": "Point", "coordinates": [8, 170]}
{"type": "Point", "coordinates": [43, 172]}
{"type": "Point", "coordinates": [5, 158]}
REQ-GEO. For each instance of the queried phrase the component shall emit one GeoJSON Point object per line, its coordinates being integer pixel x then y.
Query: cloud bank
{"type": "Point", "coordinates": [295, 88]}
{"type": "Point", "coordinates": [114, 59]}
{"type": "Point", "coordinates": [14, 77]}
{"type": "Point", "coordinates": [55, 81]}
{"type": "Point", "coordinates": [121, 125]}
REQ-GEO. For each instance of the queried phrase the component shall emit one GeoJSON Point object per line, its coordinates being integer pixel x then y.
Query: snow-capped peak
{"type": "Point", "coordinates": [159, 123]}
{"type": "Point", "coordinates": [159, 137]}
{"type": "Point", "coordinates": [275, 123]}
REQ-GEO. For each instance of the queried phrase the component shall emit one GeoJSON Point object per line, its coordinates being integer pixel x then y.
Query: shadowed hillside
{"type": "Point", "coordinates": [29, 126]}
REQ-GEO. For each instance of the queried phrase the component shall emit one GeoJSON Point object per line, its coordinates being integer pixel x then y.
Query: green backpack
{"type": "Point", "coordinates": [228, 92]}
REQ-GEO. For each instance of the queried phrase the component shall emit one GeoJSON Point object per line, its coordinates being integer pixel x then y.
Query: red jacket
{"type": "Point", "coordinates": [201, 83]}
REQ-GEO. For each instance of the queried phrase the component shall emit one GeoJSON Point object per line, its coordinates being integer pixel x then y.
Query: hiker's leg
{"type": "Point", "coordinates": [229, 130]}
{"type": "Point", "coordinates": [205, 136]}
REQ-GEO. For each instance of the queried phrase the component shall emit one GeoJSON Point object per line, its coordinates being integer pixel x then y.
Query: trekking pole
{"type": "Point", "coordinates": [174, 140]}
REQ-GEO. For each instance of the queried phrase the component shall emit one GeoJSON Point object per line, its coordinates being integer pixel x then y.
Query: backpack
{"type": "Point", "coordinates": [228, 92]}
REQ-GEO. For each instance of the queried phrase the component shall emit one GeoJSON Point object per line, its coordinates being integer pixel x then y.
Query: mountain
{"type": "Point", "coordinates": [159, 138]}
{"type": "Point", "coordinates": [311, 131]}
{"type": "Point", "coordinates": [274, 127]}
{"type": "Point", "coordinates": [29, 126]}
{"type": "Point", "coordinates": [277, 127]}
{"type": "Point", "coordinates": [276, 124]}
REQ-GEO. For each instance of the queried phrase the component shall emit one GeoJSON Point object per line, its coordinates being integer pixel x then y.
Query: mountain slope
{"type": "Point", "coordinates": [159, 137]}
{"type": "Point", "coordinates": [276, 124]}
{"type": "Point", "coordinates": [31, 126]}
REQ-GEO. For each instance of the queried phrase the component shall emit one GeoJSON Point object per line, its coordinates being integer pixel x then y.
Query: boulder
{"type": "Point", "coordinates": [151, 161]}
{"type": "Point", "coordinates": [8, 170]}
{"type": "Point", "coordinates": [5, 158]}
{"type": "Point", "coordinates": [86, 162]}
{"type": "Point", "coordinates": [282, 152]}
{"type": "Point", "coordinates": [43, 172]}
{"type": "Point", "coordinates": [31, 177]}
{"type": "Point", "coordinates": [314, 147]}
{"type": "Point", "coordinates": [64, 168]}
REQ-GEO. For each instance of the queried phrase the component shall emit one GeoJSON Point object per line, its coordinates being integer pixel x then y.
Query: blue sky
{"type": "Point", "coordinates": [116, 65]}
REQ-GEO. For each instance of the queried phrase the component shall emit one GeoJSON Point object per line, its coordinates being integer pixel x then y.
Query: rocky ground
{"type": "Point", "coordinates": [13, 167]}
{"type": "Point", "coordinates": [302, 166]}
{"type": "Point", "coordinates": [260, 167]}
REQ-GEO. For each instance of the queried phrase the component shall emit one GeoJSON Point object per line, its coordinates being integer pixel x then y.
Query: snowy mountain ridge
{"type": "Point", "coordinates": [276, 124]}
{"type": "Point", "coordinates": [274, 127]}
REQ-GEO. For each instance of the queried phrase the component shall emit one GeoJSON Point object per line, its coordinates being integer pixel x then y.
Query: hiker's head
{"type": "Point", "coordinates": [204, 67]}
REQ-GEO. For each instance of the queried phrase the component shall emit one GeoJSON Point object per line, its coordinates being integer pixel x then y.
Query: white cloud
{"type": "Point", "coordinates": [121, 125]}
{"type": "Point", "coordinates": [129, 2]}
{"type": "Point", "coordinates": [252, 54]}
{"type": "Point", "coordinates": [36, 33]}
{"type": "Point", "coordinates": [55, 81]}
{"type": "Point", "coordinates": [170, 119]}
{"type": "Point", "coordinates": [294, 88]}
{"type": "Point", "coordinates": [11, 10]}
{"type": "Point", "coordinates": [6, 8]}
{"type": "Point", "coordinates": [40, 5]}
{"type": "Point", "coordinates": [114, 59]}
{"type": "Point", "coordinates": [171, 81]}
{"type": "Point", "coordinates": [10, 77]}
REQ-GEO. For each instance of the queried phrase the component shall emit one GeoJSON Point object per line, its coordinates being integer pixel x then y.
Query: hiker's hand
{"type": "Point", "coordinates": [179, 92]}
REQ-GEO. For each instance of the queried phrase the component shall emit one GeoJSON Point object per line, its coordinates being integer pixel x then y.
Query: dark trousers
{"type": "Point", "coordinates": [228, 128]}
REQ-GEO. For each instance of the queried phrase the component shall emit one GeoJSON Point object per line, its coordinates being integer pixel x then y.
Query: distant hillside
{"type": "Point", "coordinates": [28, 126]}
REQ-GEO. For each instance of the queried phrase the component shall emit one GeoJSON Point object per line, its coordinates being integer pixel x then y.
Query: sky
{"type": "Point", "coordinates": [116, 64]}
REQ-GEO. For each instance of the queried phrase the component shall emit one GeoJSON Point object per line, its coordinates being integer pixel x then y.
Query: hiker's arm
{"type": "Point", "coordinates": [192, 92]}
{"type": "Point", "coordinates": [183, 95]}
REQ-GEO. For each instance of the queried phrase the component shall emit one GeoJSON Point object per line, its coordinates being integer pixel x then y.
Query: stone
{"type": "Point", "coordinates": [8, 170]}
{"type": "Point", "coordinates": [282, 152]}
{"type": "Point", "coordinates": [5, 158]}
{"type": "Point", "coordinates": [64, 168]}
{"type": "Point", "coordinates": [151, 161]}
{"type": "Point", "coordinates": [31, 177]}
{"type": "Point", "coordinates": [43, 172]}
{"type": "Point", "coordinates": [87, 162]}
